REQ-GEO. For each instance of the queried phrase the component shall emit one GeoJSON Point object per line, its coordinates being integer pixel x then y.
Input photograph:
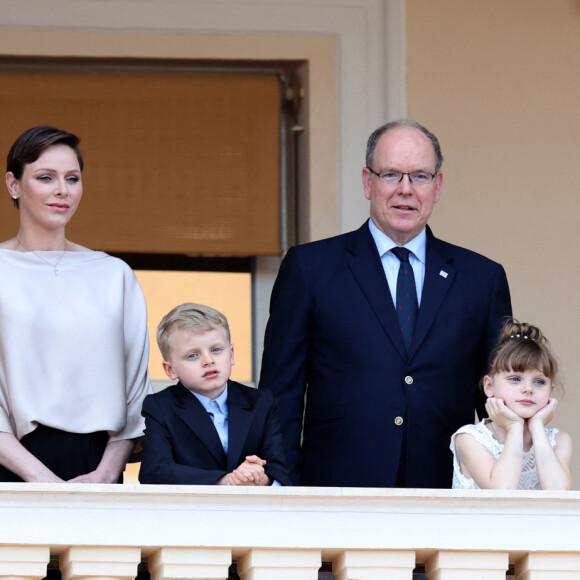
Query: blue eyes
{"type": "Point", "coordinates": [213, 350]}
{"type": "Point", "coordinates": [539, 382]}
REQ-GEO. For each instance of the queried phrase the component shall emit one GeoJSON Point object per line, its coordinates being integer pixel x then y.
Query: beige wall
{"type": "Point", "coordinates": [499, 82]}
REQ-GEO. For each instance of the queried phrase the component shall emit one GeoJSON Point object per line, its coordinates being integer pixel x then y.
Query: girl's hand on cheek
{"type": "Point", "coordinates": [501, 414]}
{"type": "Point", "coordinates": [544, 415]}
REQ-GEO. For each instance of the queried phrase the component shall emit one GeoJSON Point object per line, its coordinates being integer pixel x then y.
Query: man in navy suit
{"type": "Point", "coordinates": [207, 429]}
{"type": "Point", "coordinates": [361, 403]}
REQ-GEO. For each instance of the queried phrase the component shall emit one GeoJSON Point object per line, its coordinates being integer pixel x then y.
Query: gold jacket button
{"type": "Point", "coordinates": [409, 380]}
{"type": "Point", "coordinates": [398, 421]}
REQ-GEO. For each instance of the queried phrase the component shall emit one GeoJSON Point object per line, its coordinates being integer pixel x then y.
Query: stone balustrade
{"type": "Point", "coordinates": [178, 532]}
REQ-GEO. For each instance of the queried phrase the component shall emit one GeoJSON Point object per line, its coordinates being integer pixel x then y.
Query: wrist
{"type": "Point", "coordinates": [106, 476]}
{"type": "Point", "coordinates": [110, 478]}
{"type": "Point", "coordinates": [535, 426]}
{"type": "Point", "coordinates": [515, 427]}
{"type": "Point", "coordinates": [516, 422]}
{"type": "Point", "coordinates": [39, 473]}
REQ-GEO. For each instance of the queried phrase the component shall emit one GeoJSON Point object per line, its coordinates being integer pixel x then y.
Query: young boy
{"type": "Point", "coordinates": [207, 429]}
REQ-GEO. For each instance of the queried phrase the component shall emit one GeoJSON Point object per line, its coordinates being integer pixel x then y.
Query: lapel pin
{"type": "Point", "coordinates": [443, 273]}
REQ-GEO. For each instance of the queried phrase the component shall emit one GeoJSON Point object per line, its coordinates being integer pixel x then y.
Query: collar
{"type": "Point", "coordinates": [219, 402]}
{"type": "Point", "coordinates": [418, 245]}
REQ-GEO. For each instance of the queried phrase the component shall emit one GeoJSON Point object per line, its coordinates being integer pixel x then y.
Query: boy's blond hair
{"type": "Point", "coordinates": [197, 318]}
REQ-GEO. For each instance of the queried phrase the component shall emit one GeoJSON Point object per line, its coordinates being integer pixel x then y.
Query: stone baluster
{"type": "Point", "coordinates": [195, 563]}
{"type": "Point", "coordinates": [374, 565]}
{"type": "Point", "coordinates": [549, 566]}
{"type": "Point", "coordinates": [459, 565]}
{"type": "Point", "coordinates": [100, 562]}
{"type": "Point", "coordinates": [264, 564]}
{"type": "Point", "coordinates": [23, 562]}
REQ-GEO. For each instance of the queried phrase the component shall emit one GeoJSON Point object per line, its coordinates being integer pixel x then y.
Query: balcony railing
{"type": "Point", "coordinates": [107, 531]}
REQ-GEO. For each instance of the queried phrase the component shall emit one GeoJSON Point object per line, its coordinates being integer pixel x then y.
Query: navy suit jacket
{"type": "Point", "coordinates": [182, 445]}
{"type": "Point", "coordinates": [335, 361]}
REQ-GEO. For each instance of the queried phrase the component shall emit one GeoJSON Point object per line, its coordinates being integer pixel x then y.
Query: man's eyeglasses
{"type": "Point", "coordinates": [394, 177]}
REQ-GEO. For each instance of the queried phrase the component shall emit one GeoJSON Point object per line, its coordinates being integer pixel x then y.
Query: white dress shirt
{"type": "Point", "coordinates": [417, 246]}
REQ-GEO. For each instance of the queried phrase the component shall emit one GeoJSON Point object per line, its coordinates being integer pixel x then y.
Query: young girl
{"type": "Point", "coordinates": [513, 449]}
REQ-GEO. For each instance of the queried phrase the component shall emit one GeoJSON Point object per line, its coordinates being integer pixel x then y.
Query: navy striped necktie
{"type": "Point", "coordinates": [406, 297]}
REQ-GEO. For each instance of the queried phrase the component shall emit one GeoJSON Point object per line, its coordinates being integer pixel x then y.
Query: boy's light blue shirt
{"type": "Point", "coordinates": [218, 411]}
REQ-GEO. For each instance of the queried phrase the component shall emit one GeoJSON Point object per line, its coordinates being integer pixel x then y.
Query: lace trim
{"type": "Point", "coordinates": [483, 435]}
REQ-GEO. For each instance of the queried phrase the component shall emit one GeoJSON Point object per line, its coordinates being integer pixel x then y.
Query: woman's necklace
{"type": "Point", "coordinates": [53, 266]}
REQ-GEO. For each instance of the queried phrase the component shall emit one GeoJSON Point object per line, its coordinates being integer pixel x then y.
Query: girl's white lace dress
{"type": "Point", "coordinates": [483, 435]}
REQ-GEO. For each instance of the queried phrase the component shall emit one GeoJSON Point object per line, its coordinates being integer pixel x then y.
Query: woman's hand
{"type": "Point", "coordinates": [94, 477]}
{"type": "Point", "coordinates": [20, 461]}
{"type": "Point", "coordinates": [112, 464]}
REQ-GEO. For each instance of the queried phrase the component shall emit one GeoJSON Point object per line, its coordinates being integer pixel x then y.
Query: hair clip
{"type": "Point", "coordinates": [525, 337]}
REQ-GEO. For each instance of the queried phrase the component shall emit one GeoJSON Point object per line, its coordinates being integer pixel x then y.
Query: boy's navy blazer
{"type": "Point", "coordinates": [182, 445]}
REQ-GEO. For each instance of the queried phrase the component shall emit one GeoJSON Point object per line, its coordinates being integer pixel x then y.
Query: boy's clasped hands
{"type": "Point", "coordinates": [250, 472]}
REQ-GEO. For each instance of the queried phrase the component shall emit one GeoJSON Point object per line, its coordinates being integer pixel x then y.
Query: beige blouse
{"type": "Point", "coordinates": [73, 344]}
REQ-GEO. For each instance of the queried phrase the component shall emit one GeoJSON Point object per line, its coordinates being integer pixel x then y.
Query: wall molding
{"type": "Point", "coordinates": [369, 64]}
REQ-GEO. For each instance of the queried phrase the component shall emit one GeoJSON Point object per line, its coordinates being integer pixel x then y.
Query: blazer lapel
{"type": "Point", "coordinates": [239, 420]}
{"type": "Point", "coordinates": [439, 276]}
{"type": "Point", "coordinates": [193, 414]}
{"type": "Point", "coordinates": [365, 264]}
